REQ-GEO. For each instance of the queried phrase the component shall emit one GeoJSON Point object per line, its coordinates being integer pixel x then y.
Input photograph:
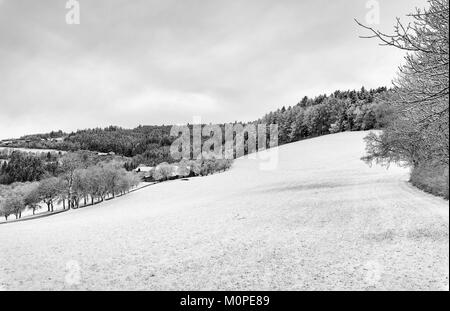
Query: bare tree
{"type": "Point", "coordinates": [421, 91]}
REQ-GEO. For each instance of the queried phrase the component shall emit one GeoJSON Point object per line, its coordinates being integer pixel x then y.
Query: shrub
{"type": "Point", "coordinates": [163, 171]}
{"type": "Point", "coordinates": [431, 178]}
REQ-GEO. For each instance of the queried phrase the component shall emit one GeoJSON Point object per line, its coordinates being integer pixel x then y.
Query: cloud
{"type": "Point", "coordinates": [155, 62]}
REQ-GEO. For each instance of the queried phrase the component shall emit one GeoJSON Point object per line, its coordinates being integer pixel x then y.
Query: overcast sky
{"type": "Point", "coordinates": [163, 62]}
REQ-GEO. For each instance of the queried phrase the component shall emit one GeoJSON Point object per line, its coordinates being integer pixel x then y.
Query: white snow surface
{"type": "Point", "coordinates": [322, 220]}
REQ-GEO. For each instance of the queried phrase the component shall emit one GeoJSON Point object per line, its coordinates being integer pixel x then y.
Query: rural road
{"type": "Point", "coordinates": [320, 220]}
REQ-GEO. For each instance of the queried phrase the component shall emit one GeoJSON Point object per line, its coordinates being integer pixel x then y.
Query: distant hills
{"type": "Point", "coordinates": [351, 110]}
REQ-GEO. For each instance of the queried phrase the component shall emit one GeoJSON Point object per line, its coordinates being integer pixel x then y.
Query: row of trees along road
{"type": "Point", "coordinates": [79, 181]}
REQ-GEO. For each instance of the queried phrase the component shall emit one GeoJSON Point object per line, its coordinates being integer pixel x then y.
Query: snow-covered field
{"type": "Point", "coordinates": [322, 220]}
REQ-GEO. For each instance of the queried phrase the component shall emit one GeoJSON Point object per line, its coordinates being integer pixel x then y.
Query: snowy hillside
{"type": "Point", "coordinates": [322, 219]}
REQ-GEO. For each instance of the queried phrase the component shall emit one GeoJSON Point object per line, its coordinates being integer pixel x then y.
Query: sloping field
{"type": "Point", "coordinates": [322, 220]}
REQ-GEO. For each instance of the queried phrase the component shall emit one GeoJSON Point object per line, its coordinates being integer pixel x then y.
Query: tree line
{"type": "Point", "coordinates": [79, 182]}
{"type": "Point", "coordinates": [417, 131]}
{"type": "Point", "coordinates": [326, 114]}
{"type": "Point", "coordinates": [26, 167]}
{"type": "Point", "coordinates": [189, 168]}
{"type": "Point", "coordinates": [150, 145]}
